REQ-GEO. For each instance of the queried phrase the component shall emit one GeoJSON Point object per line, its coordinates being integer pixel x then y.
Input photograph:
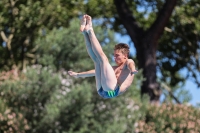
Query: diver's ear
{"type": "Point", "coordinates": [125, 56]}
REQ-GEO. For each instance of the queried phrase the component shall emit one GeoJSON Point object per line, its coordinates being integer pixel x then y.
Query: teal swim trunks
{"type": "Point", "coordinates": [109, 94]}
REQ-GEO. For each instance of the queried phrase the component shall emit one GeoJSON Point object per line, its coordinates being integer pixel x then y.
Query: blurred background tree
{"type": "Point", "coordinates": [21, 23]}
{"type": "Point", "coordinates": [170, 118]}
{"type": "Point", "coordinates": [40, 41]}
{"type": "Point", "coordinates": [179, 52]}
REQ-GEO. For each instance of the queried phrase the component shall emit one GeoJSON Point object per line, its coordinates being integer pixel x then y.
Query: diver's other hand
{"type": "Point", "coordinates": [74, 74]}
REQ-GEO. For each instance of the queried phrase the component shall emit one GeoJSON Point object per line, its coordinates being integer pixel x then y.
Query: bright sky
{"type": "Point", "coordinates": [195, 92]}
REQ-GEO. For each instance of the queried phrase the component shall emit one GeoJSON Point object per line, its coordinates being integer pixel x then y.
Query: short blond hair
{"type": "Point", "coordinates": [124, 48]}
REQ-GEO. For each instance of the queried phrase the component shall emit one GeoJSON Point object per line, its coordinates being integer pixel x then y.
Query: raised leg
{"type": "Point", "coordinates": [108, 78]}
{"type": "Point", "coordinates": [94, 59]}
{"type": "Point", "coordinates": [91, 54]}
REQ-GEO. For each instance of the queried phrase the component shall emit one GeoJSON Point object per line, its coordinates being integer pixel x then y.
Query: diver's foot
{"type": "Point", "coordinates": [88, 23]}
{"type": "Point", "coordinates": [83, 23]}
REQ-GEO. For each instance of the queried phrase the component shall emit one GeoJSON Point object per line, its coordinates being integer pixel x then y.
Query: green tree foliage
{"type": "Point", "coordinates": [29, 93]}
{"type": "Point", "coordinates": [180, 45]}
{"type": "Point", "coordinates": [21, 21]}
{"type": "Point", "coordinates": [11, 121]}
{"type": "Point", "coordinates": [170, 118]}
{"type": "Point", "coordinates": [50, 104]}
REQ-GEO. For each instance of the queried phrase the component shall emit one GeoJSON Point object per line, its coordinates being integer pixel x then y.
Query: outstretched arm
{"type": "Point", "coordinates": [90, 73]}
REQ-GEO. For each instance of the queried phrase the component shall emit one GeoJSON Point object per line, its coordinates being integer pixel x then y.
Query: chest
{"type": "Point", "coordinates": [120, 73]}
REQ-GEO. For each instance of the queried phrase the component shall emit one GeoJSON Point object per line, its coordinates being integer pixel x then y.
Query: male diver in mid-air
{"type": "Point", "coordinates": [111, 81]}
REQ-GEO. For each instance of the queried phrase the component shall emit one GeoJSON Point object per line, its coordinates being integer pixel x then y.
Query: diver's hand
{"type": "Point", "coordinates": [134, 72]}
{"type": "Point", "coordinates": [74, 74]}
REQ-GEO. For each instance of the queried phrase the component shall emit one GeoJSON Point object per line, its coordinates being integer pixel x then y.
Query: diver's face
{"type": "Point", "coordinates": [119, 57]}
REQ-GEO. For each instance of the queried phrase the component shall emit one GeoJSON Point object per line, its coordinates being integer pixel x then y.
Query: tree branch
{"type": "Point", "coordinates": [159, 24]}
{"type": "Point", "coordinates": [170, 92]}
{"type": "Point", "coordinates": [5, 39]}
{"type": "Point", "coordinates": [128, 20]}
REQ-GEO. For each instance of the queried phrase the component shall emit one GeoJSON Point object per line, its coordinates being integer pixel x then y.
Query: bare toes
{"type": "Point", "coordinates": [88, 23]}
{"type": "Point", "coordinates": [83, 23]}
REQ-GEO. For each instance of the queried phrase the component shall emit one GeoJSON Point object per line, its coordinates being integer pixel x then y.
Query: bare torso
{"type": "Point", "coordinates": [124, 77]}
